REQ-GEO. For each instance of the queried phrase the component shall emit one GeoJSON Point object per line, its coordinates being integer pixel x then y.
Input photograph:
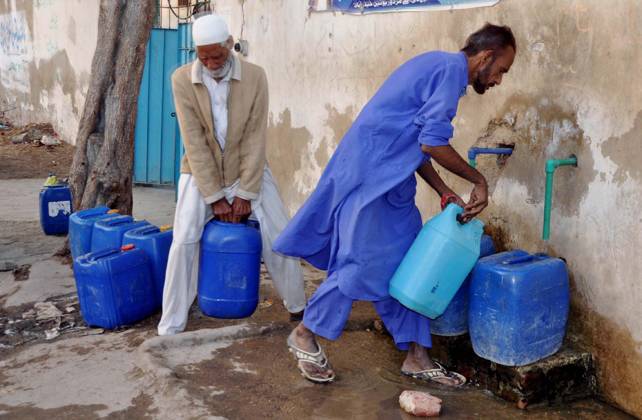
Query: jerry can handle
{"type": "Point", "coordinates": [146, 230]}
{"type": "Point", "coordinates": [525, 258]}
{"type": "Point", "coordinates": [104, 253]}
{"type": "Point", "coordinates": [118, 222]}
{"type": "Point", "coordinates": [448, 201]}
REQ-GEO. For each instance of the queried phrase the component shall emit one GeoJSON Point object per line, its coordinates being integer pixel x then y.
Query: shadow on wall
{"type": "Point", "coordinates": [291, 151]}
{"type": "Point", "coordinates": [52, 72]}
{"type": "Point", "coordinates": [285, 150]}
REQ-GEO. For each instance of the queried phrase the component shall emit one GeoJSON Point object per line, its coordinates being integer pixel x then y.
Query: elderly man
{"type": "Point", "coordinates": [222, 108]}
{"type": "Point", "coordinates": [361, 219]}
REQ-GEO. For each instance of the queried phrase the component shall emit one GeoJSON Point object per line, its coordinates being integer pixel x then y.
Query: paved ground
{"type": "Point", "coordinates": [233, 369]}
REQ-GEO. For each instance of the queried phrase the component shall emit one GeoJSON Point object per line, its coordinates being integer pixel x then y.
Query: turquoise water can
{"type": "Point", "coordinates": [454, 320]}
{"type": "Point", "coordinates": [437, 263]}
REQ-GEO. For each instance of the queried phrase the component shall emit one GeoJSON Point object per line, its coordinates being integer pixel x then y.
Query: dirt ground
{"type": "Point", "coordinates": [32, 159]}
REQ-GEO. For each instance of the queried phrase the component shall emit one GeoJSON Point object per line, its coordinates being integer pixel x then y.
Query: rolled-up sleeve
{"type": "Point", "coordinates": [441, 97]}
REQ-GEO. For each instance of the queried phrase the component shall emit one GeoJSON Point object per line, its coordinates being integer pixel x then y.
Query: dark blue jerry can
{"type": "Point", "coordinates": [108, 233]}
{"type": "Point", "coordinates": [114, 287]}
{"type": "Point", "coordinates": [155, 242]}
{"type": "Point", "coordinates": [55, 208]}
{"type": "Point", "coordinates": [229, 270]}
{"type": "Point", "coordinates": [454, 320]}
{"type": "Point", "coordinates": [81, 225]}
{"type": "Point", "coordinates": [519, 306]}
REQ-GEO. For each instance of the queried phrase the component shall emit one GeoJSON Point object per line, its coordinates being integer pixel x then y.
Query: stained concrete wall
{"type": "Point", "coordinates": [46, 49]}
{"type": "Point", "coordinates": [574, 88]}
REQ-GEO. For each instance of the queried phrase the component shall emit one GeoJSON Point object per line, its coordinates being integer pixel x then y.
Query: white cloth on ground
{"type": "Point", "coordinates": [181, 279]}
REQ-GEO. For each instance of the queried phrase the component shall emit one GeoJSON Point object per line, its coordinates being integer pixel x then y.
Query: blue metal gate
{"type": "Point", "coordinates": [157, 145]}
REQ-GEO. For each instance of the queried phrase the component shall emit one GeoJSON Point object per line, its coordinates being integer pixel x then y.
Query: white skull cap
{"type": "Point", "coordinates": [210, 29]}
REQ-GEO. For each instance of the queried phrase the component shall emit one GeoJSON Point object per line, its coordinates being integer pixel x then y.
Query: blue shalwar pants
{"type": "Point", "coordinates": [328, 310]}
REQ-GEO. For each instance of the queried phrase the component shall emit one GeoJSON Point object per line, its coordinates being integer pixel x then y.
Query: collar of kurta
{"type": "Point", "coordinates": [197, 70]}
{"type": "Point", "coordinates": [462, 57]}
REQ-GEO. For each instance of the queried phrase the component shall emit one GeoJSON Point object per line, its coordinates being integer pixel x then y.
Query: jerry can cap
{"type": "Point", "coordinates": [127, 247]}
{"type": "Point", "coordinates": [113, 211]}
{"type": "Point", "coordinates": [165, 228]}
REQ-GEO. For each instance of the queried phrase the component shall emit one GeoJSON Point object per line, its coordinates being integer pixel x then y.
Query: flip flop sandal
{"type": "Point", "coordinates": [429, 375]}
{"type": "Point", "coordinates": [317, 359]}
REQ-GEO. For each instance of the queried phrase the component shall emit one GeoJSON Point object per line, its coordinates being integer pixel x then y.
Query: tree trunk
{"type": "Point", "coordinates": [102, 169]}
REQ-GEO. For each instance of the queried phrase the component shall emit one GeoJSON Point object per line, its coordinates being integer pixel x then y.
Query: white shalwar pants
{"type": "Point", "coordinates": [192, 213]}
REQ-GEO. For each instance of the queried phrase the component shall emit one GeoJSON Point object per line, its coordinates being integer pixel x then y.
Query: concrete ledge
{"type": "Point", "coordinates": [150, 352]}
{"type": "Point", "coordinates": [566, 376]}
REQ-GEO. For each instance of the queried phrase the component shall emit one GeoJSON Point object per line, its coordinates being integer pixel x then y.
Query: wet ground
{"type": "Point", "coordinates": [91, 373]}
{"type": "Point", "coordinates": [368, 385]}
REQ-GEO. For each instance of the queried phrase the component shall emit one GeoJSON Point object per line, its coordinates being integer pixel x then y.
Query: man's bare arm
{"type": "Point", "coordinates": [447, 157]}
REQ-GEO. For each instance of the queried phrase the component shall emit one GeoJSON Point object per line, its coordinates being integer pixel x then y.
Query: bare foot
{"type": "Point", "coordinates": [417, 360]}
{"type": "Point", "coordinates": [303, 338]}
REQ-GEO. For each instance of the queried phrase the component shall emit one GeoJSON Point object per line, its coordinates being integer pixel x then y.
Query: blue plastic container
{"type": "Point", "coordinates": [229, 270]}
{"type": "Point", "coordinates": [437, 263]}
{"type": "Point", "coordinates": [55, 208]}
{"type": "Point", "coordinates": [518, 307]}
{"type": "Point", "coordinates": [108, 233]}
{"type": "Point", "coordinates": [155, 242]}
{"type": "Point", "coordinates": [454, 320]}
{"type": "Point", "coordinates": [114, 287]}
{"type": "Point", "coordinates": [81, 224]}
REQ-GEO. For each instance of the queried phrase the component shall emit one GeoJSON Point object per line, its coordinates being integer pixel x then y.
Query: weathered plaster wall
{"type": "Point", "coordinates": [574, 88]}
{"type": "Point", "coordinates": [46, 49]}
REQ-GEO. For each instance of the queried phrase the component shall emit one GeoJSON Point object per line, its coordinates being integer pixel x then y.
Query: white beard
{"type": "Point", "coordinates": [222, 71]}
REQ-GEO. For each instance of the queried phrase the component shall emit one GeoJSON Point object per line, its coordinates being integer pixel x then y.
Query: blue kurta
{"type": "Point", "coordinates": [361, 218]}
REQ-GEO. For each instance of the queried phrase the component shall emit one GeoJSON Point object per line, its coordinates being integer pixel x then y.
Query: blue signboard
{"type": "Point", "coordinates": [370, 6]}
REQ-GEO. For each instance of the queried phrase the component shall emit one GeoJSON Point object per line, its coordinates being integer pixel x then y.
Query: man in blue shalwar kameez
{"type": "Point", "coordinates": [361, 219]}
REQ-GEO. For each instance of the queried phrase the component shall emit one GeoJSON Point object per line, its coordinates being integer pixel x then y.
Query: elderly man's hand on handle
{"type": "Point", "coordinates": [222, 211]}
{"type": "Point", "coordinates": [447, 157]}
{"type": "Point", "coordinates": [237, 212]}
{"type": "Point", "coordinates": [241, 209]}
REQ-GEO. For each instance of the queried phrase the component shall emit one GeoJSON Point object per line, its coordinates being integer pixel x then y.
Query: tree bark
{"type": "Point", "coordinates": [102, 168]}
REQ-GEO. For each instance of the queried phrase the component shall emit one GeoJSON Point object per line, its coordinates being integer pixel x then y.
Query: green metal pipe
{"type": "Point", "coordinates": [551, 166]}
